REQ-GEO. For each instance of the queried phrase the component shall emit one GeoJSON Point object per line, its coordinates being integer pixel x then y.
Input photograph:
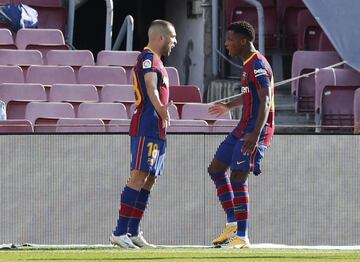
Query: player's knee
{"type": "Point", "coordinates": [137, 179]}
{"type": "Point", "coordinates": [149, 183]}
{"type": "Point", "coordinates": [216, 167]}
{"type": "Point", "coordinates": [239, 176]}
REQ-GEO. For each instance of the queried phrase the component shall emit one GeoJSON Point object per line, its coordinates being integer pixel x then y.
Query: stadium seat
{"type": "Point", "coordinates": [49, 75]}
{"type": "Point", "coordinates": [11, 74]}
{"type": "Point", "coordinates": [44, 115]}
{"type": "Point", "coordinates": [22, 58]}
{"type": "Point", "coordinates": [357, 111]}
{"type": "Point", "coordinates": [173, 75]}
{"type": "Point", "coordinates": [224, 125]}
{"type": "Point", "coordinates": [185, 126]}
{"type": "Point", "coordinates": [73, 93]}
{"type": "Point", "coordinates": [184, 94]}
{"type": "Point", "coordinates": [174, 114]}
{"type": "Point", "coordinates": [236, 10]}
{"type": "Point", "coordinates": [118, 93]}
{"type": "Point", "coordinates": [80, 125]}
{"type": "Point", "coordinates": [17, 95]}
{"type": "Point", "coordinates": [334, 96]}
{"type": "Point", "coordinates": [119, 125]}
{"type": "Point", "coordinates": [125, 59]}
{"type": "Point", "coordinates": [102, 75]}
{"type": "Point", "coordinates": [324, 43]}
{"type": "Point", "coordinates": [16, 126]}
{"type": "Point", "coordinates": [40, 39]}
{"type": "Point", "coordinates": [199, 111]}
{"type": "Point", "coordinates": [288, 11]}
{"type": "Point", "coordinates": [51, 13]}
{"type": "Point", "coordinates": [6, 39]}
{"type": "Point", "coordinates": [73, 58]}
{"type": "Point", "coordinates": [308, 31]}
{"type": "Point", "coordinates": [304, 88]}
{"type": "Point", "coordinates": [104, 111]}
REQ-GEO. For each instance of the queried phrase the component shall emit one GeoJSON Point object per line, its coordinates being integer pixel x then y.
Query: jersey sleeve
{"type": "Point", "coordinates": [148, 63]}
{"type": "Point", "coordinates": [262, 75]}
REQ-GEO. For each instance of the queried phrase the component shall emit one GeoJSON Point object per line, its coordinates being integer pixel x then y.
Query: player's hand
{"type": "Point", "coordinates": [218, 109]}
{"type": "Point", "coordinates": [250, 143]}
{"type": "Point", "coordinates": [164, 114]}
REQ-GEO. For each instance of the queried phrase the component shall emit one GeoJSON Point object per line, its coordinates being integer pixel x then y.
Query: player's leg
{"type": "Point", "coordinates": [156, 159]}
{"type": "Point", "coordinates": [241, 166]}
{"type": "Point", "coordinates": [128, 200]}
{"type": "Point", "coordinates": [217, 172]}
{"type": "Point", "coordinates": [138, 175]}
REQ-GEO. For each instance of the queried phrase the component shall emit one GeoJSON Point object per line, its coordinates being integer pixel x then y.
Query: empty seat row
{"type": "Point", "coordinates": [288, 23]}
{"type": "Point", "coordinates": [92, 125]}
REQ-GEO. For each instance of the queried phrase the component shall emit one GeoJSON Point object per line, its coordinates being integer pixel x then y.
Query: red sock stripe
{"type": "Point", "coordinates": [241, 200]}
{"type": "Point", "coordinates": [227, 204]}
{"type": "Point", "coordinates": [241, 189]}
{"type": "Point", "coordinates": [242, 216]}
{"type": "Point", "coordinates": [139, 153]}
{"type": "Point", "coordinates": [224, 189]}
{"type": "Point", "coordinates": [137, 213]}
{"type": "Point", "coordinates": [125, 210]}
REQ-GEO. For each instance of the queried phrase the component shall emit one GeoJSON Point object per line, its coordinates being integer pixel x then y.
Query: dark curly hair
{"type": "Point", "coordinates": [243, 28]}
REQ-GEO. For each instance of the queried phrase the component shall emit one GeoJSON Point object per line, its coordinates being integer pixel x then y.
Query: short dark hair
{"type": "Point", "coordinates": [243, 28]}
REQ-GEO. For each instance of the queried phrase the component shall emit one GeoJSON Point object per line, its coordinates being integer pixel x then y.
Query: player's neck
{"type": "Point", "coordinates": [248, 52]}
{"type": "Point", "coordinates": [153, 49]}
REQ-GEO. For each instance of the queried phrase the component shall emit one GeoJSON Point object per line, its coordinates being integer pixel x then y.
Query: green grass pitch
{"type": "Point", "coordinates": [175, 254]}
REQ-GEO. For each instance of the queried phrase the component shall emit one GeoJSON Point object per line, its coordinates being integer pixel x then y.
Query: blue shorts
{"type": "Point", "coordinates": [148, 154]}
{"type": "Point", "coordinates": [229, 153]}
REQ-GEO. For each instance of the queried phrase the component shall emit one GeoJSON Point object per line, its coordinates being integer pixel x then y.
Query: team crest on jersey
{"type": "Point", "coordinates": [147, 64]}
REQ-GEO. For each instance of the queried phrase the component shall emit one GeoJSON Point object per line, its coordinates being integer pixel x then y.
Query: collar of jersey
{"type": "Point", "coordinates": [247, 60]}
{"type": "Point", "coordinates": [148, 48]}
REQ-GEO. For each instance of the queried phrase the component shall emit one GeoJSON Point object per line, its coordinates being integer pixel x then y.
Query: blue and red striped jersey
{"type": "Point", "coordinates": [257, 74]}
{"type": "Point", "coordinates": [145, 120]}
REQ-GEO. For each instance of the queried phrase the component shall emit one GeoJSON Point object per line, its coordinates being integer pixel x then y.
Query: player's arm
{"type": "Point", "coordinates": [153, 93]}
{"type": "Point", "coordinates": [263, 86]}
{"type": "Point", "coordinates": [221, 108]}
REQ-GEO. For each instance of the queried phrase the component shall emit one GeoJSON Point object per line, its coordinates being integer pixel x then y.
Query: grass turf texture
{"type": "Point", "coordinates": [175, 254]}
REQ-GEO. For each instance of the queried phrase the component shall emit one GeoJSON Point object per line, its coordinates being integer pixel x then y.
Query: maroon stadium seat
{"type": "Point", "coordinates": [11, 74]}
{"type": "Point", "coordinates": [224, 125]}
{"type": "Point", "coordinates": [236, 10]}
{"type": "Point", "coordinates": [16, 126]}
{"type": "Point", "coordinates": [304, 88]}
{"type": "Point", "coordinates": [118, 125]}
{"type": "Point", "coordinates": [184, 94]}
{"type": "Point", "coordinates": [79, 125]}
{"type": "Point", "coordinates": [44, 115]}
{"type": "Point", "coordinates": [185, 126]}
{"type": "Point", "coordinates": [324, 43]}
{"type": "Point", "coordinates": [309, 31]}
{"type": "Point", "coordinates": [173, 75]}
{"type": "Point", "coordinates": [102, 75]}
{"type": "Point", "coordinates": [334, 96]}
{"type": "Point", "coordinates": [126, 59]}
{"type": "Point", "coordinates": [73, 93]}
{"type": "Point", "coordinates": [288, 11]}
{"type": "Point", "coordinates": [104, 111]}
{"type": "Point", "coordinates": [198, 111]}
{"type": "Point", "coordinates": [17, 95]}
{"type": "Point", "coordinates": [6, 39]}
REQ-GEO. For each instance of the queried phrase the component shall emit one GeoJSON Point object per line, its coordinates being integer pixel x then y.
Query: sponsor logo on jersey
{"type": "Point", "coordinates": [147, 64]}
{"type": "Point", "coordinates": [245, 89]}
{"type": "Point", "coordinates": [259, 72]}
